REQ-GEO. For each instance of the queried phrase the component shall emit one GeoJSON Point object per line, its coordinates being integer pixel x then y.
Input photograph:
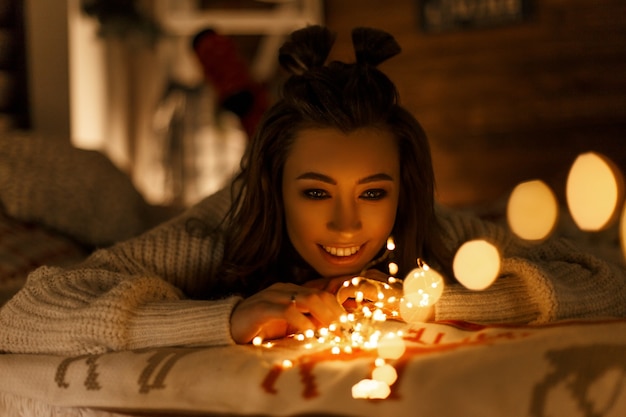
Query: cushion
{"type": "Point", "coordinates": [26, 246]}
{"type": "Point", "coordinates": [74, 191]}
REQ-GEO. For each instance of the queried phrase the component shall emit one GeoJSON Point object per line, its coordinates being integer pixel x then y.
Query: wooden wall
{"type": "Point", "coordinates": [505, 104]}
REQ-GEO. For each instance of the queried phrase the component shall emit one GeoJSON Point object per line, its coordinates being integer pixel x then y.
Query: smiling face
{"type": "Point", "coordinates": [340, 195]}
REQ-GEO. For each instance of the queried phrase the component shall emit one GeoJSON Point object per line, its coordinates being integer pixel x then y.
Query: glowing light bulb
{"type": "Point", "coordinates": [393, 268]}
{"type": "Point", "coordinates": [390, 243]}
{"type": "Point", "coordinates": [379, 315]}
{"type": "Point", "coordinates": [391, 346]}
{"type": "Point", "coordinates": [371, 389]}
{"type": "Point", "coordinates": [532, 210]}
{"type": "Point", "coordinates": [423, 286]}
{"type": "Point", "coordinates": [385, 373]}
{"type": "Point", "coordinates": [413, 314]}
{"type": "Point", "coordinates": [257, 341]}
{"type": "Point", "coordinates": [593, 188]}
{"type": "Point", "coordinates": [476, 264]}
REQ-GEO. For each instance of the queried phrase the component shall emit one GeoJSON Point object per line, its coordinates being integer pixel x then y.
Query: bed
{"type": "Point", "coordinates": [573, 368]}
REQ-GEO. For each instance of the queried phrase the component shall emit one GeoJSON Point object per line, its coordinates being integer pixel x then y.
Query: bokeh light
{"type": "Point", "coordinates": [593, 189]}
{"type": "Point", "coordinates": [622, 231]}
{"type": "Point", "coordinates": [385, 373]}
{"type": "Point", "coordinates": [422, 288]}
{"type": "Point", "coordinates": [391, 346]}
{"type": "Point", "coordinates": [371, 389]}
{"type": "Point", "coordinates": [476, 264]}
{"type": "Point", "coordinates": [532, 210]}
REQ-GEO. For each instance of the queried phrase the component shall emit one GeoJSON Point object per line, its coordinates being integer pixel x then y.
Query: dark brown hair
{"type": "Point", "coordinates": [344, 96]}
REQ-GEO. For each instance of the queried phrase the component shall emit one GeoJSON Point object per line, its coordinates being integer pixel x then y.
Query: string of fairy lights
{"type": "Point", "coordinates": [594, 192]}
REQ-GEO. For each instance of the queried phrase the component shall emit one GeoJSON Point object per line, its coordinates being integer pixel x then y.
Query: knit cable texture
{"type": "Point", "coordinates": [137, 294]}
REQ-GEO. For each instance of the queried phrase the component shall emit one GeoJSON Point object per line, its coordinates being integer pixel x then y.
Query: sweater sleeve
{"type": "Point", "coordinates": [538, 282]}
{"type": "Point", "coordinates": [149, 291]}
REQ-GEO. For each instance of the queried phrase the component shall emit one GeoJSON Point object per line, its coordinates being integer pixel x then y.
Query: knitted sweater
{"type": "Point", "coordinates": [153, 290]}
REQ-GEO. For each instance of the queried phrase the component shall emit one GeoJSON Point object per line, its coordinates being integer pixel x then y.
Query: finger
{"type": "Point", "coordinates": [274, 320]}
{"type": "Point", "coordinates": [361, 290]}
{"type": "Point", "coordinates": [333, 285]}
{"type": "Point", "coordinates": [377, 275]}
{"type": "Point", "coordinates": [321, 305]}
{"type": "Point", "coordinates": [298, 322]}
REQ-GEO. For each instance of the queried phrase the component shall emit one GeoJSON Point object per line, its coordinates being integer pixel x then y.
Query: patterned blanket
{"type": "Point", "coordinates": [446, 369]}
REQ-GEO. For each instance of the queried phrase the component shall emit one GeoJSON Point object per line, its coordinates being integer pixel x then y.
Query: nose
{"type": "Point", "coordinates": [345, 216]}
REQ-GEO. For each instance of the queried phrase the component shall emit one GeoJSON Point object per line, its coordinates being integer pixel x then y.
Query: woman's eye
{"type": "Point", "coordinates": [315, 194]}
{"type": "Point", "coordinates": [375, 194]}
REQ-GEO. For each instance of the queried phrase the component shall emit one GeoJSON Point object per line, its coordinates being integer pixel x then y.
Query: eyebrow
{"type": "Point", "coordinates": [325, 178]}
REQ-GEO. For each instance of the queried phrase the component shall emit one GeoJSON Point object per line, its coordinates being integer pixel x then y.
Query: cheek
{"type": "Point", "coordinates": [381, 220]}
{"type": "Point", "coordinates": [300, 221]}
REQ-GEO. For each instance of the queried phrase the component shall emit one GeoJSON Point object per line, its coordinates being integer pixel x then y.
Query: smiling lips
{"type": "Point", "coordinates": [341, 252]}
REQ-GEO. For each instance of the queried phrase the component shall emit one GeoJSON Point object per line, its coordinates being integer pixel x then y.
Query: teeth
{"type": "Point", "coordinates": [341, 251]}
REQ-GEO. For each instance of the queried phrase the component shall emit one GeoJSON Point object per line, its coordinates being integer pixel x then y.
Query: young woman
{"type": "Point", "coordinates": [336, 167]}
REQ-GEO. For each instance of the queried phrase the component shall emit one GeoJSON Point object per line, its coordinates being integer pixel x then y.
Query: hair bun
{"type": "Point", "coordinates": [306, 49]}
{"type": "Point", "coordinates": [373, 46]}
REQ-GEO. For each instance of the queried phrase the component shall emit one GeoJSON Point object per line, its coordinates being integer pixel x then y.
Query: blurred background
{"type": "Point", "coordinates": [507, 90]}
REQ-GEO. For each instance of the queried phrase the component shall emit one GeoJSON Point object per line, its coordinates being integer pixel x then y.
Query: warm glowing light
{"type": "Point", "coordinates": [369, 303]}
{"type": "Point", "coordinates": [391, 346]}
{"type": "Point", "coordinates": [257, 341]}
{"type": "Point", "coordinates": [476, 264]}
{"type": "Point", "coordinates": [393, 268]}
{"type": "Point", "coordinates": [385, 373]}
{"type": "Point", "coordinates": [532, 210]}
{"type": "Point", "coordinates": [593, 190]}
{"type": "Point", "coordinates": [371, 389]}
{"type": "Point", "coordinates": [622, 231]}
{"type": "Point", "coordinates": [423, 286]}
{"type": "Point", "coordinates": [379, 315]}
{"type": "Point", "coordinates": [391, 244]}
{"type": "Point", "coordinates": [414, 314]}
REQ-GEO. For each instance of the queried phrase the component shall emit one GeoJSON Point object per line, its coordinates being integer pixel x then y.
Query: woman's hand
{"type": "Point", "coordinates": [335, 285]}
{"type": "Point", "coordinates": [369, 290]}
{"type": "Point", "coordinates": [283, 309]}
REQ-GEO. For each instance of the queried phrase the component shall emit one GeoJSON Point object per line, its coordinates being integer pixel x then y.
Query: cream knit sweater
{"type": "Point", "coordinates": [139, 293]}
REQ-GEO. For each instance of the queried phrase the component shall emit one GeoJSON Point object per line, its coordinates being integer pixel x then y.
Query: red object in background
{"type": "Point", "coordinates": [229, 74]}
